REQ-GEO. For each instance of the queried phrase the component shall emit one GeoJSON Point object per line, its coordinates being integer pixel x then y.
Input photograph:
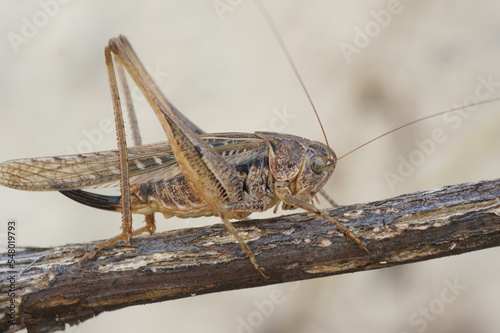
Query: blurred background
{"type": "Point", "coordinates": [370, 66]}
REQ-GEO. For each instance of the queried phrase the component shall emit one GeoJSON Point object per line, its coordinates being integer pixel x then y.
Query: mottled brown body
{"type": "Point", "coordinates": [157, 183]}
{"type": "Point", "coordinates": [229, 175]}
{"type": "Point", "coordinates": [175, 196]}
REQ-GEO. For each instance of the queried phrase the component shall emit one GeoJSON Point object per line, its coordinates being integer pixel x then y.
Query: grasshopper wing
{"type": "Point", "coordinates": [146, 163]}
{"type": "Point", "coordinates": [82, 170]}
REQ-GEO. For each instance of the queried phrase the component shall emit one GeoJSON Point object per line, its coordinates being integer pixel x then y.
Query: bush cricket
{"type": "Point", "coordinates": [228, 175]}
{"type": "Point", "coordinates": [348, 107]}
{"type": "Point", "coordinates": [138, 167]}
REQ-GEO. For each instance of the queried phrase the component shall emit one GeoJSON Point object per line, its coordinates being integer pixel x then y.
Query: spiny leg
{"type": "Point", "coordinates": [126, 227]}
{"type": "Point", "coordinates": [205, 169]}
{"type": "Point", "coordinates": [244, 246]}
{"type": "Point", "coordinates": [134, 125]}
{"type": "Point", "coordinates": [244, 206]}
{"type": "Point", "coordinates": [122, 149]}
{"type": "Point", "coordinates": [212, 176]}
{"type": "Point", "coordinates": [297, 202]}
{"type": "Point", "coordinates": [208, 172]}
{"type": "Point", "coordinates": [196, 156]}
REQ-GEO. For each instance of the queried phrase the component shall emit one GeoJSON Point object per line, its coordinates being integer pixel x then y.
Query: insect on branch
{"type": "Point", "coordinates": [54, 291]}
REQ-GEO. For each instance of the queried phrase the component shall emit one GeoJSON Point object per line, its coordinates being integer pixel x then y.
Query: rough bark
{"type": "Point", "coordinates": [51, 290]}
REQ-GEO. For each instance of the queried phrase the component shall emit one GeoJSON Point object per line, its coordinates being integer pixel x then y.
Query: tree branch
{"type": "Point", "coordinates": [51, 290]}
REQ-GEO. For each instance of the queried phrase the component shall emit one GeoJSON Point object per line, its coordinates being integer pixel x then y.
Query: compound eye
{"type": "Point", "coordinates": [317, 164]}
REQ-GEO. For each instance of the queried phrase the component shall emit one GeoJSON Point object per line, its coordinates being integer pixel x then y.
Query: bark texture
{"type": "Point", "coordinates": [51, 290]}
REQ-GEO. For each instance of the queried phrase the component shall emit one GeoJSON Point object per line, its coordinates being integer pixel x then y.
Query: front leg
{"type": "Point", "coordinates": [299, 202]}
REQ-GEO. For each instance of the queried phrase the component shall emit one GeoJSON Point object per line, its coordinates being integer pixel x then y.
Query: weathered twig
{"type": "Point", "coordinates": [52, 290]}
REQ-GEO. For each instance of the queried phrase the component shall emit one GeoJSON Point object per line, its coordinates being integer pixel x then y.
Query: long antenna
{"type": "Point", "coordinates": [419, 120]}
{"type": "Point", "coordinates": [278, 37]}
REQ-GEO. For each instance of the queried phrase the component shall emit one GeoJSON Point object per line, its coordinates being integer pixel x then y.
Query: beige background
{"type": "Point", "coordinates": [229, 75]}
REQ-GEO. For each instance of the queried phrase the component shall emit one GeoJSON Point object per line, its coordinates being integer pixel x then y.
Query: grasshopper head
{"type": "Point", "coordinates": [304, 164]}
{"type": "Point", "coordinates": [317, 167]}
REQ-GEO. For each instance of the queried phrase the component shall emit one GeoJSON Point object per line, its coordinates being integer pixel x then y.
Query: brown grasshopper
{"type": "Point", "coordinates": [195, 174]}
{"type": "Point", "coordinates": [249, 172]}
